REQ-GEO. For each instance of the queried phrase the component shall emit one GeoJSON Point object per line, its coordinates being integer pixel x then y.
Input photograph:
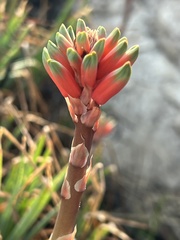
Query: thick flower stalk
{"type": "Point", "coordinates": [88, 68]}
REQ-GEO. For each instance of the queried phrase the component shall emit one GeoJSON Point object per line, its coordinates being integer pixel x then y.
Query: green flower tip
{"type": "Point", "coordinates": [45, 55]}
{"type": "Point", "coordinates": [65, 33]}
{"type": "Point", "coordinates": [61, 40]}
{"type": "Point", "coordinates": [133, 53]}
{"type": "Point", "coordinates": [72, 55]}
{"type": "Point", "coordinates": [90, 60]}
{"type": "Point", "coordinates": [52, 48]}
{"type": "Point", "coordinates": [99, 45]}
{"type": "Point", "coordinates": [71, 32]}
{"type": "Point", "coordinates": [123, 39]}
{"type": "Point", "coordinates": [121, 48]}
{"type": "Point", "coordinates": [54, 66]}
{"type": "Point", "coordinates": [123, 73]}
{"type": "Point", "coordinates": [81, 26]}
{"type": "Point", "coordinates": [101, 31]}
{"type": "Point", "coordinates": [81, 37]}
{"type": "Point", "coordinates": [115, 34]}
{"type": "Point", "coordinates": [62, 29]}
{"type": "Point", "coordinates": [58, 38]}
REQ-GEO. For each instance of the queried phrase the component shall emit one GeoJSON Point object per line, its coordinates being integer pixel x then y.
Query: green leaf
{"type": "Point", "coordinates": [40, 201]}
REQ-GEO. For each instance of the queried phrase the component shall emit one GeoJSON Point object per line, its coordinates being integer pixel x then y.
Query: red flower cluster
{"type": "Point", "coordinates": [87, 67]}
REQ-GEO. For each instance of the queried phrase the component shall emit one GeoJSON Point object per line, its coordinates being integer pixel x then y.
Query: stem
{"type": "Point", "coordinates": [66, 219]}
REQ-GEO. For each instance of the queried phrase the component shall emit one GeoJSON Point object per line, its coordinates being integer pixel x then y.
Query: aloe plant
{"type": "Point", "coordinates": [88, 68]}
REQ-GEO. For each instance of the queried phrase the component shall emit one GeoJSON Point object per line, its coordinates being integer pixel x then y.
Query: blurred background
{"type": "Point", "coordinates": [135, 194]}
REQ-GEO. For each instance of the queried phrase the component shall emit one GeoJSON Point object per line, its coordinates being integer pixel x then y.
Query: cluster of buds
{"type": "Point", "coordinates": [88, 68]}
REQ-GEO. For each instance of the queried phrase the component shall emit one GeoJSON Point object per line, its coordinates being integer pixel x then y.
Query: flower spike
{"type": "Point", "coordinates": [88, 66]}
{"type": "Point", "coordinates": [89, 69]}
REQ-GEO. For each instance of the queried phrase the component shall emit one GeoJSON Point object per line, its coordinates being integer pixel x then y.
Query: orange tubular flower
{"type": "Point", "coordinates": [88, 66]}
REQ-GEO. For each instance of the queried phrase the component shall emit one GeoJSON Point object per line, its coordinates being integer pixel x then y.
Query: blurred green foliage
{"type": "Point", "coordinates": [13, 30]}
{"type": "Point", "coordinates": [26, 191]}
